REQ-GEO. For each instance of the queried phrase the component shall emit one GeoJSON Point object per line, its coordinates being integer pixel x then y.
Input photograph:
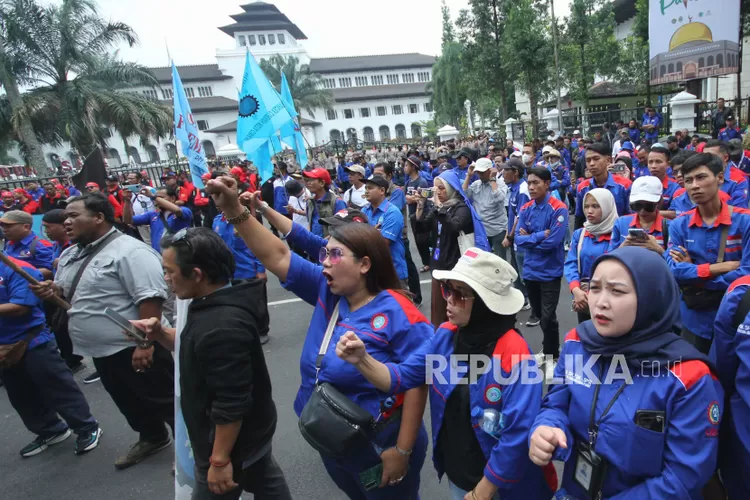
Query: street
{"type": "Point", "coordinates": [58, 474]}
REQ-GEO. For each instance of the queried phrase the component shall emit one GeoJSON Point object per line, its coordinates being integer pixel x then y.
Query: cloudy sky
{"type": "Point", "coordinates": [333, 27]}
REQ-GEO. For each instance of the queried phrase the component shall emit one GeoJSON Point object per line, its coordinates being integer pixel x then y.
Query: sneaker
{"type": "Point", "coordinates": [139, 452]}
{"type": "Point", "coordinates": [40, 443]}
{"type": "Point", "coordinates": [264, 339]}
{"type": "Point", "coordinates": [88, 441]}
{"type": "Point", "coordinates": [77, 368]}
{"type": "Point", "coordinates": [94, 377]}
{"type": "Point", "coordinates": [526, 305]}
{"type": "Point", "coordinates": [533, 321]}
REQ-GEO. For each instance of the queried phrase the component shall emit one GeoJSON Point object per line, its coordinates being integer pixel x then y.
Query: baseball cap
{"type": "Point", "coordinates": [729, 117]}
{"type": "Point", "coordinates": [169, 174]}
{"type": "Point", "coordinates": [56, 216]}
{"type": "Point", "coordinates": [576, 132]}
{"type": "Point", "coordinates": [490, 277]}
{"type": "Point", "coordinates": [483, 165]}
{"type": "Point", "coordinates": [318, 173]}
{"type": "Point", "coordinates": [466, 152]}
{"type": "Point", "coordinates": [92, 184]}
{"type": "Point", "coordinates": [357, 169]}
{"type": "Point", "coordinates": [414, 160]}
{"type": "Point", "coordinates": [294, 187]}
{"type": "Point", "coordinates": [343, 217]}
{"type": "Point", "coordinates": [627, 145]}
{"type": "Point", "coordinates": [646, 188]}
{"type": "Point", "coordinates": [236, 171]}
{"type": "Point", "coordinates": [516, 154]}
{"type": "Point", "coordinates": [113, 178]}
{"type": "Point", "coordinates": [3, 194]}
{"type": "Point", "coordinates": [16, 217]}
{"type": "Point", "coordinates": [380, 181]}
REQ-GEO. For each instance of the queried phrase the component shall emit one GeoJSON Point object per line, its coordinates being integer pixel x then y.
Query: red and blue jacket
{"type": "Point", "coordinates": [653, 135]}
{"type": "Point", "coordinates": [156, 221]}
{"type": "Point", "coordinates": [622, 224]}
{"type": "Point", "coordinates": [247, 266]}
{"type": "Point", "coordinates": [593, 246]}
{"type": "Point", "coordinates": [618, 186]}
{"type": "Point", "coordinates": [702, 243]}
{"type": "Point", "coordinates": [15, 290]}
{"type": "Point", "coordinates": [744, 163]}
{"type": "Point", "coordinates": [729, 133]}
{"type": "Point", "coordinates": [670, 187]}
{"type": "Point", "coordinates": [641, 463]}
{"type": "Point", "coordinates": [32, 250]}
{"type": "Point", "coordinates": [516, 401]}
{"type": "Point", "coordinates": [560, 177]}
{"type": "Point", "coordinates": [682, 203]}
{"type": "Point", "coordinates": [735, 185]}
{"type": "Point", "coordinates": [640, 170]}
{"type": "Point", "coordinates": [545, 255]}
{"type": "Point", "coordinates": [730, 353]}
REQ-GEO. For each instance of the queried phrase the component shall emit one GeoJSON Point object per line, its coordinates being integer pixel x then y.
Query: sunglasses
{"type": "Point", "coordinates": [334, 255]}
{"type": "Point", "coordinates": [181, 236]}
{"type": "Point", "coordinates": [457, 295]}
{"type": "Point", "coordinates": [643, 205]}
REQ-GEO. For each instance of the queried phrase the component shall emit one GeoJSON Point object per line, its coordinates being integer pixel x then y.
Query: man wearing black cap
{"type": "Point", "coordinates": [464, 157]}
{"type": "Point", "coordinates": [731, 131]}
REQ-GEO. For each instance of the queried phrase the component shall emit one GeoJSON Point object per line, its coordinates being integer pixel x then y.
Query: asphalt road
{"type": "Point", "coordinates": [60, 475]}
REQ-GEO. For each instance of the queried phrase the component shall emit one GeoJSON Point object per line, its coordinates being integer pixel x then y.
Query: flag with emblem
{"type": "Point", "coordinates": [186, 131]}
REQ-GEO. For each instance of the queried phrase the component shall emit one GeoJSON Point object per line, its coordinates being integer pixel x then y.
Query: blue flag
{"type": "Point", "coordinates": [291, 131]}
{"type": "Point", "coordinates": [261, 113]}
{"type": "Point", "coordinates": [186, 131]}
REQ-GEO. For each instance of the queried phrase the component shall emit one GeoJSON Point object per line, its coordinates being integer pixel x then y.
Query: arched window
{"type": "Point", "coordinates": [114, 157]}
{"type": "Point", "coordinates": [400, 131]}
{"type": "Point", "coordinates": [351, 133]}
{"type": "Point", "coordinates": [369, 135]}
{"type": "Point", "coordinates": [720, 61]}
{"type": "Point", "coordinates": [710, 61]}
{"type": "Point", "coordinates": [662, 71]}
{"type": "Point", "coordinates": [55, 161]}
{"type": "Point", "coordinates": [73, 157]}
{"type": "Point", "coordinates": [133, 153]}
{"type": "Point", "coordinates": [335, 135]}
{"type": "Point", "coordinates": [670, 68]}
{"type": "Point", "coordinates": [208, 149]}
{"type": "Point", "coordinates": [679, 67]}
{"type": "Point", "coordinates": [416, 131]}
{"type": "Point", "coordinates": [171, 151]}
{"type": "Point", "coordinates": [385, 133]}
{"type": "Point", "coordinates": [701, 62]}
{"type": "Point", "coordinates": [153, 154]}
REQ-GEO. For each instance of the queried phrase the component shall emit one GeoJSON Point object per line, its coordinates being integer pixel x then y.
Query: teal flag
{"type": "Point", "coordinates": [291, 133]}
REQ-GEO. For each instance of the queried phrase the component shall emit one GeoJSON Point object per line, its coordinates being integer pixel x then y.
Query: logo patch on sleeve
{"type": "Point", "coordinates": [714, 414]}
{"type": "Point", "coordinates": [379, 321]}
{"type": "Point", "coordinates": [493, 393]}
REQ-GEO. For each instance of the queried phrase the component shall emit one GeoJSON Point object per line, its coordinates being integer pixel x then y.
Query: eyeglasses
{"type": "Point", "coordinates": [335, 255]}
{"type": "Point", "coordinates": [643, 205]}
{"type": "Point", "coordinates": [182, 236]}
{"type": "Point", "coordinates": [459, 298]}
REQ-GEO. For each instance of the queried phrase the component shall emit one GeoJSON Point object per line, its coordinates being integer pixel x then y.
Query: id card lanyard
{"type": "Point", "coordinates": [593, 423]}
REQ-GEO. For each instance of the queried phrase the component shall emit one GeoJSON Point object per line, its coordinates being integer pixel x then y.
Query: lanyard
{"type": "Point", "coordinates": [593, 424]}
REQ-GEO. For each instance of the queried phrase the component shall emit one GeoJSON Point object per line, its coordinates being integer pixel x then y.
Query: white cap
{"type": "Point", "coordinates": [482, 165]}
{"type": "Point", "coordinates": [516, 154]}
{"type": "Point", "coordinates": [547, 149]}
{"type": "Point", "coordinates": [576, 132]}
{"type": "Point", "coordinates": [357, 169]}
{"type": "Point", "coordinates": [647, 188]}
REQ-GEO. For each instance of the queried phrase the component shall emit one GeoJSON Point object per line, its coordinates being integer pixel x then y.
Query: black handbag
{"type": "Point", "coordinates": [331, 422]}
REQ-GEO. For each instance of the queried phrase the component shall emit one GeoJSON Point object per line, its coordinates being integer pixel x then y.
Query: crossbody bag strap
{"type": "Point", "coordinates": [724, 236]}
{"type": "Point", "coordinates": [74, 284]}
{"type": "Point", "coordinates": [578, 252]}
{"type": "Point", "coordinates": [327, 338]}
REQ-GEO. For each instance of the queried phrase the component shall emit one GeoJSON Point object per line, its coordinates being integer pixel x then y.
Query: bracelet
{"type": "Point", "coordinates": [239, 218]}
{"type": "Point", "coordinates": [218, 464]}
{"type": "Point", "coordinates": [403, 452]}
{"type": "Point", "coordinates": [263, 207]}
{"type": "Point", "coordinates": [145, 345]}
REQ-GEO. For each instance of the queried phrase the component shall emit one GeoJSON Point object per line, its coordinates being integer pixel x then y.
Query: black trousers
{"type": "Point", "coordinates": [413, 278]}
{"type": "Point", "coordinates": [145, 399]}
{"type": "Point", "coordinates": [544, 297]}
{"type": "Point", "coordinates": [422, 241]}
{"type": "Point", "coordinates": [264, 479]}
{"type": "Point", "coordinates": [264, 323]}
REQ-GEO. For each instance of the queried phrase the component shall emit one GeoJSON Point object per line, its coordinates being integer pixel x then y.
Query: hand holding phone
{"type": "Point", "coordinates": [637, 234]}
{"type": "Point", "coordinates": [130, 330]}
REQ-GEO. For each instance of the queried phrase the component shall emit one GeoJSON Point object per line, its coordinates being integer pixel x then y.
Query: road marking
{"type": "Point", "coordinates": [290, 301]}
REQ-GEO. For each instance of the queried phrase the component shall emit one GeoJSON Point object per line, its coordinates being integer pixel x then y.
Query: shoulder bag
{"type": "Point", "coordinates": [333, 424]}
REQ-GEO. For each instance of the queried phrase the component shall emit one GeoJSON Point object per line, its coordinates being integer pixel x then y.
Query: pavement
{"type": "Point", "coordinates": [60, 475]}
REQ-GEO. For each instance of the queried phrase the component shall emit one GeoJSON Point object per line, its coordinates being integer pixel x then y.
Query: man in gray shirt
{"type": "Point", "coordinates": [124, 275]}
{"type": "Point", "coordinates": [488, 197]}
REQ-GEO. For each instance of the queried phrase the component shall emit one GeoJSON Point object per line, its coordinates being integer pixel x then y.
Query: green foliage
{"type": "Point", "coordinates": [449, 34]}
{"type": "Point", "coordinates": [5, 158]}
{"type": "Point", "coordinates": [634, 63]}
{"type": "Point", "coordinates": [306, 87]}
{"type": "Point", "coordinates": [447, 85]}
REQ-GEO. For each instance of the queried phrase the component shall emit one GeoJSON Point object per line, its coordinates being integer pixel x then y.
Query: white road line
{"type": "Point", "coordinates": [290, 301]}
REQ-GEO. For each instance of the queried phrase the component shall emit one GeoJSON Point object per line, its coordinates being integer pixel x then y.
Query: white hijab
{"type": "Point", "coordinates": [609, 212]}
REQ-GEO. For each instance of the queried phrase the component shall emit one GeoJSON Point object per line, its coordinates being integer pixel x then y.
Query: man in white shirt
{"type": "Point", "coordinates": [354, 196]}
{"type": "Point", "coordinates": [141, 203]}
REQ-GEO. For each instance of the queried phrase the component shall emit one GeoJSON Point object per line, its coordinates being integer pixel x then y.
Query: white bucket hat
{"type": "Point", "coordinates": [490, 277]}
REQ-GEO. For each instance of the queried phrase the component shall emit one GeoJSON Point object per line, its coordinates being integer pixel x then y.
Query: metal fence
{"type": "Point", "coordinates": [704, 114]}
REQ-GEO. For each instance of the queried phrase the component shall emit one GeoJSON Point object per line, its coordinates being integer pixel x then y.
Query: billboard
{"type": "Point", "coordinates": [690, 39]}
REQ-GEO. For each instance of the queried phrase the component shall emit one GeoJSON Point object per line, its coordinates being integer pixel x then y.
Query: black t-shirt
{"type": "Point", "coordinates": [419, 182]}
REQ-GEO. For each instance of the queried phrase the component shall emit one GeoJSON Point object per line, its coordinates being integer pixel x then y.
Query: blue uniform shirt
{"type": "Point", "coordinates": [670, 187]}
{"type": "Point", "coordinates": [462, 172]}
{"type": "Point", "coordinates": [545, 255]}
{"type": "Point", "coordinates": [342, 175]}
{"type": "Point", "coordinates": [339, 204]}
{"type": "Point", "coordinates": [57, 249]}
{"type": "Point", "coordinates": [390, 326]}
{"type": "Point", "coordinates": [15, 290]}
{"type": "Point", "coordinates": [593, 246]}
{"type": "Point", "coordinates": [280, 198]}
{"type": "Point", "coordinates": [702, 243]}
{"type": "Point", "coordinates": [655, 120]}
{"type": "Point", "coordinates": [641, 463]}
{"type": "Point", "coordinates": [618, 186]}
{"type": "Point", "coordinates": [155, 220]}
{"type": "Point", "coordinates": [735, 185]}
{"type": "Point", "coordinates": [41, 256]}
{"type": "Point", "coordinates": [246, 264]}
{"type": "Point", "coordinates": [727, 133]}
{"type": "Point", "coordinates": [560, 177]}
{"type": "Point", "coordinates": [622, 224]}
{"type": "Point", "coordinates": [744, 165]}
{"type": "Point", "coordinates": [37, 193]}
{"type": "Point", "coordinates": [518, 196]}
{"type": "Point", "coordinates": [391, 222]}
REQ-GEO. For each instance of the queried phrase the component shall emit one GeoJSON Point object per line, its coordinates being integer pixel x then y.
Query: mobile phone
{"type": "Point", "coordinates": [618, 167]}
{"type": "Point", "coordinates": [372, 477]}
{"type": "Point", "coordinates": [127, 326]}
{"type": "Point", "coordinates": [134, 188]}
{"type": "Point", "coordinates": [637, 234]}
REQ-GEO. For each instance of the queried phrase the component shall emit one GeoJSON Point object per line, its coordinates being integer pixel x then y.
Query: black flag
{"type": "Point", "coordinates": [93, 171]}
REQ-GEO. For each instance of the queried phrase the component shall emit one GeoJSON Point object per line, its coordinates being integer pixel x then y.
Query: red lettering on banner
{"type": "Point", "coordinates": [190, 119]}
{"type": "Point", "coordinates": [179, 123]}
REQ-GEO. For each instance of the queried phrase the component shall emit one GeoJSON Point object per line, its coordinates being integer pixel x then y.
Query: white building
{"type": "Point", "coordinates": [377, 98]}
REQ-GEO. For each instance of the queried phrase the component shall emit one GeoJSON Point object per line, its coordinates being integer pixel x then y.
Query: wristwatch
{"type": "Point", "coordinates": [263, 207]}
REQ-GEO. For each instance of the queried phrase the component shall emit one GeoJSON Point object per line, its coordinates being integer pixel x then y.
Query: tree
{"type": "Point", "coordinates": [447, 85]}
{"type": "Point", "coordinates": [449, 34]}
{"type": "Point", "coordinates": [305, 86]}
{"type": "Point", "coordinates": [79, 89]}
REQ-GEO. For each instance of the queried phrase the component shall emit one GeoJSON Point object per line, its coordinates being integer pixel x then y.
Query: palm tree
{"type": "Point", "coordinates": [79, 90]}
{"type": "Point", "coordinates": [306, 87]}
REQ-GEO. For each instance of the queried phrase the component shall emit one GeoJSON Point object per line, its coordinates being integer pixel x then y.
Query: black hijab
{"type": "Point", "coordinates": [484, 329]}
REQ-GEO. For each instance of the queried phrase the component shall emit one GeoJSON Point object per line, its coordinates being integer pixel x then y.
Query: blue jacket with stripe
{"type": "Point", "coordinates": [545, 254]}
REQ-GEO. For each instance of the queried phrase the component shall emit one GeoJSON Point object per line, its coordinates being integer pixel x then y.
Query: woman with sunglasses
{"type": "Point", "coordinates": [452, 216]}
{"type": "Point", "coordinates": [357, 278]}
{"type": "Point", "coordinates": [480, 420]}
{"type": "Point", "coordinates": [645, 228]}
{"type": "Point", "coordinates": [587, 244]}
{"type": "Point", "coordinates": [635, 411]}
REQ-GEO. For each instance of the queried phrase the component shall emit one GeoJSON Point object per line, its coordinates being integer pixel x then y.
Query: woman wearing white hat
{"type": "Point", "coordinates": [645, 227]}
{"type": "Point", "coordinates": [480, 428]}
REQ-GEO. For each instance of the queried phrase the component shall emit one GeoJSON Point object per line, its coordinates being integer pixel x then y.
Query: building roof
{"type": "Point", "coordinates": [624, 10]}
{"type": "Point", "coordinates": [204, 104]}
{"type": "Point", "coordinates": [380, 92]}
{"type": "Point", "coordinates": [370, 63]}
{"type": "Point", "coordinates": [262, 16]}
{"type": "Point", "coordinates": [194, 73]}
{"type": "Point", "coordinates": [611, 89]}
{"type": "Point", "coordinates": [232, 126]}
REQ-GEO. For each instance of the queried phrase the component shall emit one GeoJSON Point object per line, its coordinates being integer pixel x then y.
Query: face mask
{"type": "Point", "coordinates": [526, 158]}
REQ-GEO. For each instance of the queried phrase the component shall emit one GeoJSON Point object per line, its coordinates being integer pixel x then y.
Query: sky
{"type": "Point", "coordinates": [334, 28]}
